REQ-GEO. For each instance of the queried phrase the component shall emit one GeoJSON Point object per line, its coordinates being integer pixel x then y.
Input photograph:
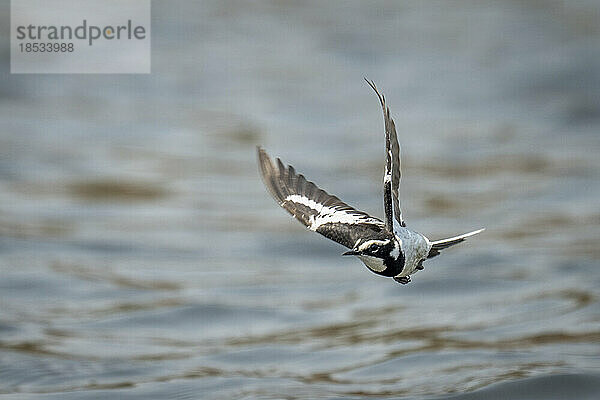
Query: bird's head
{"type": "Point", "coordinates": [384, 248]}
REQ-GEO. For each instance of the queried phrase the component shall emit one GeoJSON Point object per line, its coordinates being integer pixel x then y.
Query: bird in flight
{"type": "Point", "coordinates": [386, 247]}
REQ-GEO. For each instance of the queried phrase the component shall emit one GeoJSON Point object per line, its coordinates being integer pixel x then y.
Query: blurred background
{"type": "Point", "coordinates": [141, 257]}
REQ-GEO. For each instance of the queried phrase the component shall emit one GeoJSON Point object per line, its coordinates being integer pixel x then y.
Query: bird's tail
{"type": "Point", "coordinates": [441, 244]}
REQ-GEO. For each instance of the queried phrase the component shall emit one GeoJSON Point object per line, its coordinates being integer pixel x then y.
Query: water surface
{"type": "Point", "coordinates": [141, 256]}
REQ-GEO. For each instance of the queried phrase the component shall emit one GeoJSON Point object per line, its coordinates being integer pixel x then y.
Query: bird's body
{"type": "Point", "coordinates": [387, 247]}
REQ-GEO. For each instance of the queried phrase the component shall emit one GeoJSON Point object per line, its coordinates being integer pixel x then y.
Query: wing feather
{"type": "Point", "coordinates": [314, 207]}
{"type": "Point", "coordinates": [393, 171]}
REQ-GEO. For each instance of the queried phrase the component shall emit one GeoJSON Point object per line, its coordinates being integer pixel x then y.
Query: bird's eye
{"type": "Point", "coordinates": [373, 248]}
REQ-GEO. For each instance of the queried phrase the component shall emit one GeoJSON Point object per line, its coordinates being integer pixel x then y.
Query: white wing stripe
{"type": "Point", "coordinates": [328, 214]}
{"type": "Point", "coordinates": [296, 198]}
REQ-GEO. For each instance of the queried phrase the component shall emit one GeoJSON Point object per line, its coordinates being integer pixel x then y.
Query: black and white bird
{"type": "Point", "coordinates": [387, 248]}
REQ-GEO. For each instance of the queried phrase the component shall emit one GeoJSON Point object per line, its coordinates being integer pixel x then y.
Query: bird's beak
{"type": "Point", "coordinates": [351, 253]}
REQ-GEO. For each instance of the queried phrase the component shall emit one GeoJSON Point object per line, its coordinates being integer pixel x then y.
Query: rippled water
{"type": "Point", "coordinates": [141, 257]}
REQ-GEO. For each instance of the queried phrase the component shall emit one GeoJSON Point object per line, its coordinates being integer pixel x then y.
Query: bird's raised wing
{"type": "Point", "coordinates": [445, 243]}
{"type": "Point", "coordinates": [313, 207]}
{"type": "Point", "coordinates": [391, 178]}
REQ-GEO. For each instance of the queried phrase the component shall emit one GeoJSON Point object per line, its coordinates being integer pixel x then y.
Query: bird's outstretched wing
{"type": "Point", "coordinates": [445, 243]}
{"type": "Point", "coordinates": [313, 207]}
{"type": "Point", "coordinates": [391, 178]}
